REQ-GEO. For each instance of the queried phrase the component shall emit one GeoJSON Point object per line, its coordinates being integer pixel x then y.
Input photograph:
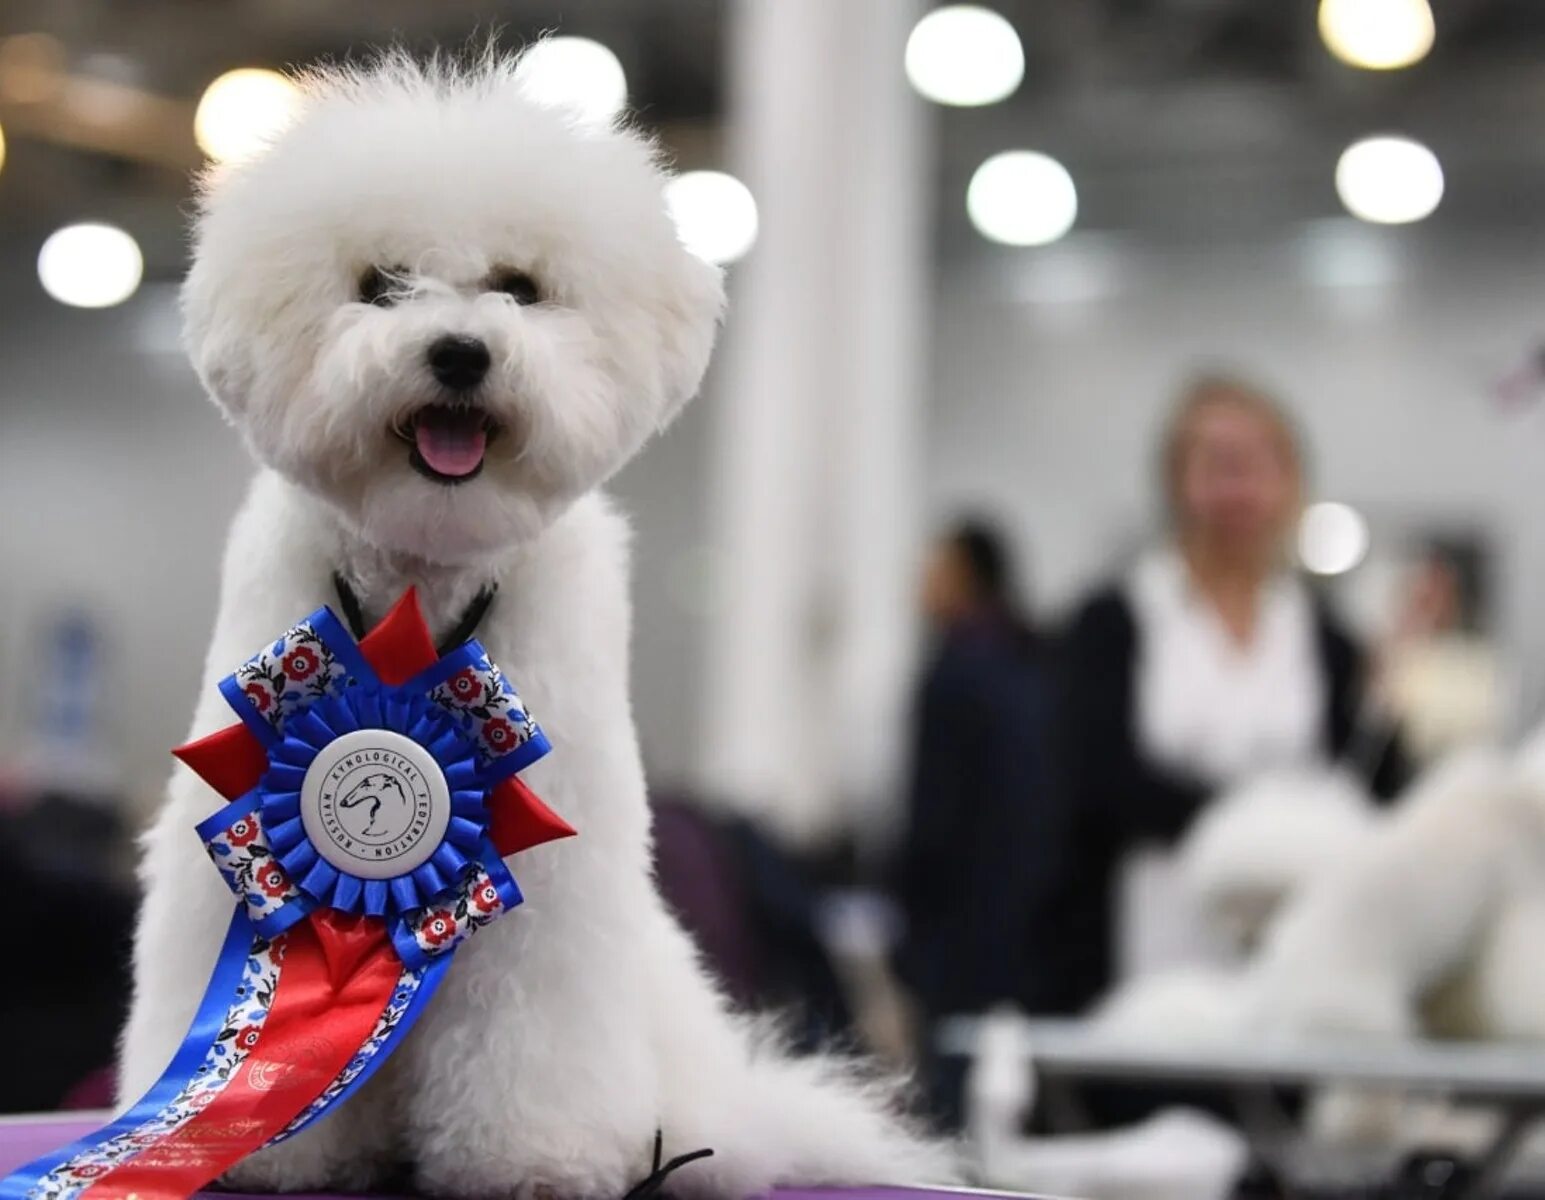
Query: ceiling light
{"type": "Point", "coordinates": [1377, 35]}
{"type": "Point", "coordinates": [1389, 180]}
{"type": "Point", "coordinates": [1332, 538]}
{"type": "Point", "coordinates": [574, 73]}
{"type": "Point", "coordinates": [90, 265]}
{"type": "Point", "coordinates": [241, 111]}
{"type": "Point", "coordinates": [964, 55]}
{"type": "Point", "coordinates": [1022, 198]}
{"type": "Point", "coordinates": [715, 214]}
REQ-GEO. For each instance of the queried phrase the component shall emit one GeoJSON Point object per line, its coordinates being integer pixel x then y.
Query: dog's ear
{"type": "Point", "coordinates": [687, 316]}
{"type": "Point", "coordinates": [227, 377]}
{"type": "Point", "coordinates": [214, 344]}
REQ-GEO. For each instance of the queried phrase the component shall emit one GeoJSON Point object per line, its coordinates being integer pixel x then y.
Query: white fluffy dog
{"type": "Point", "coordinates": [442, 316]}
{"type": "Point", "coordinates": [1268, 839]}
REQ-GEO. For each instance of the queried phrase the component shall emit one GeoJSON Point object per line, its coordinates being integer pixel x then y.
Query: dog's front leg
{"type": "Point", "coordinates": [531, 1073]}
{"type": "Point", "coordinates": [352, 1148]}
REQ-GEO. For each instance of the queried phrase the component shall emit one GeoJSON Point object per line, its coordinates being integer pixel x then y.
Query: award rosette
{"type": "Point", "coordinates": [372, 798]}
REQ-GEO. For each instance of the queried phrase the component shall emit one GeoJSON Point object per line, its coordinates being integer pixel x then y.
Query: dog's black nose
{"type": "Point", "coordinates": [459, 362]}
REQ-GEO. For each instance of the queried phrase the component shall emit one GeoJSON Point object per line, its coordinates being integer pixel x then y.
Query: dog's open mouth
{"type": "Point", "coordinates": [449, 441]}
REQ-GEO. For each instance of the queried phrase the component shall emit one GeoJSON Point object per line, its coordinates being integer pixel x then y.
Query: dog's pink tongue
{"type": "Point", "coordinates": [451, 442]}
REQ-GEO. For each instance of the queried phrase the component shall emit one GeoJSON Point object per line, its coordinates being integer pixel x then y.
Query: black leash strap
{"type": "Point", "coordinates": [651, 1184]}
{"type": "Point", "coordinates": [471, 618]}
{"type": "Point", "coordinates": [349, 602]}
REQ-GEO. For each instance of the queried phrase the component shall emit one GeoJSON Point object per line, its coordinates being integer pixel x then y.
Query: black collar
{"type": "Point", "coordinates": [471, 616]}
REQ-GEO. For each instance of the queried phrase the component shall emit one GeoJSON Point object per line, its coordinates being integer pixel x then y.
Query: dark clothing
{"type": "Point", "coordinates": [67, 934]}
{"type": "Point", "coordinates": [752, 910]}
{"type": "Point", "coordinates": [974, 852]}
{"type": "Point", "coordinates": [1110, 798]}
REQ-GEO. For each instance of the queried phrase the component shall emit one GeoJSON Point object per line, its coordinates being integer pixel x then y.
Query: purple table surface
{"type": "Point", "coordinates": [24, 1138]}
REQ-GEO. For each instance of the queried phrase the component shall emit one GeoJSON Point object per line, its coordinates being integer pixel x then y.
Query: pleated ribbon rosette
{"type": "Point", "coordinates": [371, 801]}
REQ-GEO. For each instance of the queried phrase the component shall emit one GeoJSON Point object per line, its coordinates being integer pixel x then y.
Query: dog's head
{"type": "Point", "coordinates": [443, 308]}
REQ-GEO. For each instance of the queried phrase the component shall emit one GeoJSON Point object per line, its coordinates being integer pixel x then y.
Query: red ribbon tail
{"type": "Point", "coordinates": [338, 975]}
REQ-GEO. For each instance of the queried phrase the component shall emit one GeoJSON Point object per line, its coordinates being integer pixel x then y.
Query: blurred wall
{"type": "Point", "coordinates": [1052, 373]}
{"type": "Point", "coordinates": [116, 481]}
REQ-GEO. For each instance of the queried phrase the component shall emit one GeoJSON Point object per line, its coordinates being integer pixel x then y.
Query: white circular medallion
{"type": "Point", "coordinates": [375, 804]}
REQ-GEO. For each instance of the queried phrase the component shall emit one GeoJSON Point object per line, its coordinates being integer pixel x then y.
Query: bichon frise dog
{"type": "Point", "coordinates": [442, 316]}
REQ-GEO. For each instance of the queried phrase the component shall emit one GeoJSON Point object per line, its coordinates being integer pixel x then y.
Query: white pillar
{"type": "Point", "coordinates": [817, 414]}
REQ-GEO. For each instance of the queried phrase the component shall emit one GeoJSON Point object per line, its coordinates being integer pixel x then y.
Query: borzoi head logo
{"type": "Point", "coordinates": [369, 796]}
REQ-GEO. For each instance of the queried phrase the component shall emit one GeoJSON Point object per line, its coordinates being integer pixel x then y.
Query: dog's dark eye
{"type": "Point", "coordinates": [517, 284]}
{"type": "Point", "coordinates": [379, 285]}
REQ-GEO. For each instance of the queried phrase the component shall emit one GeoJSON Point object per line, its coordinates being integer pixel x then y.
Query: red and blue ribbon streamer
{"type": "Point", "coordinates": [323, 970]}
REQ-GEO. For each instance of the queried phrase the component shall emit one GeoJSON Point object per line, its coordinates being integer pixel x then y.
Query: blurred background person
{"type": "Point", "coordinates": [971, 856]}
{"type": "Point", "coordinates": [1208, 663]}
{"type": "Point", "coordinates": [1439, 668]}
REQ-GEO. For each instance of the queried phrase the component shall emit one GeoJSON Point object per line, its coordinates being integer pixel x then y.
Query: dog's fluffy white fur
{"type": "Point", "coordinates": [1267, 840]}
{"type": "Point", "coordinates": [1368, 948]}
{"type": "Point", "coordinates": [568, 1032]}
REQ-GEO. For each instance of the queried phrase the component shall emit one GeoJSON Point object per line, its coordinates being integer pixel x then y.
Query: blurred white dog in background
{"type": "Point", "coordinates": [1421, 921]}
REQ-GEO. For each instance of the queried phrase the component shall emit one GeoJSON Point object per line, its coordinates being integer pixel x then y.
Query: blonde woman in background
{"type": "Point", "coordinates": [1209, 662]}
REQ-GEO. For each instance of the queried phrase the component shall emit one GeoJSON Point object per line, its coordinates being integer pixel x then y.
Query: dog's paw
{"type": "Point", "coordinates": [506, 1174]}
{"type": "Point", "coordinates": [499, 1185]}
{"type": "Point", "coordinates": [304, 1164]}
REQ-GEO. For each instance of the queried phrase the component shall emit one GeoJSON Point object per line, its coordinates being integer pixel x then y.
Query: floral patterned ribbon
{"type": "Point", "coordinates": [321, 973]}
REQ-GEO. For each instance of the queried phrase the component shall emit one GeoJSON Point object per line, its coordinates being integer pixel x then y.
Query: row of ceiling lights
{"type": "Point", "coordinates": [968, 56]}
{"type": "Point", "coordinates": [94, 265]}
{"type": "Point", "coordinates": [961, 54]}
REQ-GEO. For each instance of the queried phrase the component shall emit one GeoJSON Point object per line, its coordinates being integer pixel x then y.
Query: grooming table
{"type": "Point", "coordinates": [24, 1138]}
{"type": "Point", "coordinates": [1507, 1076]}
